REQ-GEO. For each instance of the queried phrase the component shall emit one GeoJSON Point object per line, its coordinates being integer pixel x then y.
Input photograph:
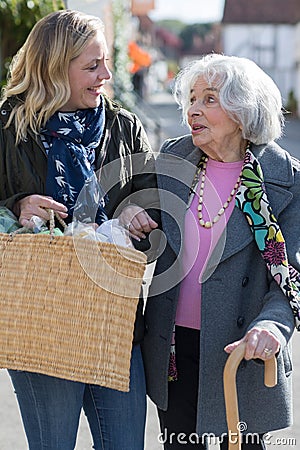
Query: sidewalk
{"type": "Point", "coordinates": [12, 436]}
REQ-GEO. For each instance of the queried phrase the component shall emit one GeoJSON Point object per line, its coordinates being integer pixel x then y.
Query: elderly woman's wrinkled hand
{"type": "Point", "coordinates": [37, 205]}
{"type": "Point", "coordinates": [137, 221]}
{"type": "Point", "coordinates": [260, 343]}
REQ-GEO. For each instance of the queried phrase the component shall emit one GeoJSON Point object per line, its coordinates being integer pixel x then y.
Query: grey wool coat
{"type": "Point", "coordinates": [238, 293]}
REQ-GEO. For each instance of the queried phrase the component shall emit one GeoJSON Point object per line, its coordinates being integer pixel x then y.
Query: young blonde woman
{"type": "Point", "coordinates": [57, 128]}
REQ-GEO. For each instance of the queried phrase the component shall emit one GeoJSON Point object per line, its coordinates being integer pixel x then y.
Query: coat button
{"type": "Point", "coordinates": [245, 281]}
{"type": "Point", "coordinates": [240, 321]}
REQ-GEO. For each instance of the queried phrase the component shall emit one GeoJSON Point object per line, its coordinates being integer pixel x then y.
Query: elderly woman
{"type": "Point", "coordinates": [228, 274]}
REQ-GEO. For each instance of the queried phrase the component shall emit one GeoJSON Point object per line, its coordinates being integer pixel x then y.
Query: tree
{"type": "Point", "coordinates": [173, 25]}
{"type": "Point", "coordinates": [17, 17]}
{"type": "Point", "coordinates": [123, 87]}
{"type": "Point", "coordinates": [189, 33]}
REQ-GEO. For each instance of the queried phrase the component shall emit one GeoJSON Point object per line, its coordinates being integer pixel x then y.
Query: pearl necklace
{"type": "Point", "coordinates": [202, 168]}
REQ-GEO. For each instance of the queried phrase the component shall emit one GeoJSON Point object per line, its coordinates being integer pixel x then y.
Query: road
{"type": "Point", "coordinates": [11, 431]}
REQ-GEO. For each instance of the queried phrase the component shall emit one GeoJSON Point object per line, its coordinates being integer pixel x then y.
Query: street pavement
{"type": "Point", "coordinates": [12, 436]}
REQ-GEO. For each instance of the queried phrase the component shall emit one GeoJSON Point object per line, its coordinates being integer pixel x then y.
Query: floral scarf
{"type": "Point", "coordinates": [72, 139]}
{"type": "Point", "coordinates": [252, 200]}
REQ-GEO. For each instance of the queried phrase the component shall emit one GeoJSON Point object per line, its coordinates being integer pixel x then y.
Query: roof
{"type": "Point", "coordinates": [261, 11]}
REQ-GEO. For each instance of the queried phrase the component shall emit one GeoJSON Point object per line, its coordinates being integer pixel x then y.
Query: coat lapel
{"type": "Point", "coordinates": [176, 167]}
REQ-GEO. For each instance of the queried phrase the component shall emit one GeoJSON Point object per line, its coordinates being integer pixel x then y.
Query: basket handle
{"type": "Point", "coordinates": [230, 392]}
{"type": "Point", "coordinates": [53, 216]}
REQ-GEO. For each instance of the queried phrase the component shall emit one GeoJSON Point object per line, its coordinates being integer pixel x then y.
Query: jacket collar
{"type": "Point", "coordinates": [175, 167]}
{"type": "Point", "coordinates": [276, 164]}
{"type": "Point", "coordinates": [112, 108]}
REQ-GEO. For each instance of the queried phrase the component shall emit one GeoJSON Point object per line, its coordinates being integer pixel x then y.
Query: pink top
{"type": "Point", "coordinates": [199, 242]}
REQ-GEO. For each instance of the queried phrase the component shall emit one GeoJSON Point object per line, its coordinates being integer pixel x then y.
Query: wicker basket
{"type": "Point", "coordinates": [67, 307]}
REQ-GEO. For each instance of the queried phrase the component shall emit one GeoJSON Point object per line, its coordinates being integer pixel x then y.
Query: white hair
{"type": "Point", "coordinates": [247, 94]}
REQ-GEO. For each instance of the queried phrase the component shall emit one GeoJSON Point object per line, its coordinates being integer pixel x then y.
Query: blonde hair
{"type": "Point", "coordinates": [38, 74]}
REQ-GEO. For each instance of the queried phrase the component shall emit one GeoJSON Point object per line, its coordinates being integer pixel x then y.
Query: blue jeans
{"type": "Point", "coordinates": [51, 407]}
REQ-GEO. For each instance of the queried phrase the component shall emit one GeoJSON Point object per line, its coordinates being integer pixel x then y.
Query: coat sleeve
{"type": "Point", "coordinates": [128, 173]}
{"type": "Point", "coordinates": [145, 188]}
{"type": "Point", "coordinates": [12, 188]}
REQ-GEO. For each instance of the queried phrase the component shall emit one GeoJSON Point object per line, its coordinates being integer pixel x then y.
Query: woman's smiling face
{"type": "Point", "coordinates": [212, 129]}
{"type": "Point", "coordinates": [87, 75]}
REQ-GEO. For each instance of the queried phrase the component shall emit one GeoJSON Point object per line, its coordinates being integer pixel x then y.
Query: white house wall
{"type": "Point", "coordinates": [271, 46]}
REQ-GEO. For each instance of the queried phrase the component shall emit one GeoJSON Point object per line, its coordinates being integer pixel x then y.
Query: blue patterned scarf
{"type": "Point", "coordinates": [72, 139]}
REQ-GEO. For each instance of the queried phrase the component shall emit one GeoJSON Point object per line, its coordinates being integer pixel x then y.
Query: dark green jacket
{"type": "Point", "coordinates": [124, 163]}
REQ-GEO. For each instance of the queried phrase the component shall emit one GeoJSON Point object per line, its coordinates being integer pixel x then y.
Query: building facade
{"type": "Point", "coordinates": [267, 32]}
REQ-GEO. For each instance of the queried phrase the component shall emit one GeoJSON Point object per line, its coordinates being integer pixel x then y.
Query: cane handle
{"type": "Point", "coordinates": [235, 427]}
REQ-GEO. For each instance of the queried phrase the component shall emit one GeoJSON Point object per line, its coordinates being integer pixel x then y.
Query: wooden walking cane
{"type": "Point", "coordinates": [230, 392]}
